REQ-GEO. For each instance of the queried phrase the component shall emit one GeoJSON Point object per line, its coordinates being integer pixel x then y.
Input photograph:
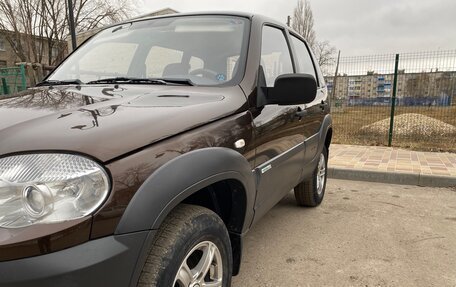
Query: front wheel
{"type": "Point", "coordinates": [310, 192]}
{"type": "Point", "coordinates": [192, 249]}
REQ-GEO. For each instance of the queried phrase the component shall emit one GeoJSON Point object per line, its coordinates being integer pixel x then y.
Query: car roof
{"type": "Point", "coordinates": [209, 13]}
{"type": "Point", "coordinates": [221, 13]}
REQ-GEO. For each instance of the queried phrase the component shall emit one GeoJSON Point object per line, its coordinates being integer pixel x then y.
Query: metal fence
{"type": "Point", "coordinates": [12, 80]}
{"type": "Point", "coordinates": [405, 100]}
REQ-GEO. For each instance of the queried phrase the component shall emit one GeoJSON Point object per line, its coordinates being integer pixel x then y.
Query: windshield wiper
{"type": "Point", "coordinates": [125, 80]}
{"type": "Point", "coordinates": [179, 81]}
{"type": "Point", "coordinates": [59, 82]}
{"type": "Point", "coordinates": [145, 81]}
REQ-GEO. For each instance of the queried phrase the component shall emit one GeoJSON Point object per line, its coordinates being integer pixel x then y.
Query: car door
{"type": "Point", "coordinates": [278, 131]}
{"type": "Point", "coordinates": [317, 109]}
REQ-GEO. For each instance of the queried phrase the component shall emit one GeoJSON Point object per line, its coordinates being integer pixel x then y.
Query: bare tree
{"type": "Point", "coordinates": [326, 56]}
{"type": "Point", "coordinates": [30, 24]}
{"type": "Point", "coordinates": [91, 14]}
{"type": "Point", "coordinates": [303, 23]}
{"type": "Point", "coordinates": [20, 23]}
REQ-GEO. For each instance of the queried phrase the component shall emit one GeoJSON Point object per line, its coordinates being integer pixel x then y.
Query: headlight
{"type": "Point", "coordinates": [49, 188]}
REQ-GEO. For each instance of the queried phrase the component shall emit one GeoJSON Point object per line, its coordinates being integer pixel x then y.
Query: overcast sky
{"type": "Point", "coordinates": [356, 27]}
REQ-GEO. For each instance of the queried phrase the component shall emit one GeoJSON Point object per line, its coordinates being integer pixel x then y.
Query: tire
{"type": "Point", "coordinates": [310, 193]}
{"type": "Point", "coordinates": [189, 234]}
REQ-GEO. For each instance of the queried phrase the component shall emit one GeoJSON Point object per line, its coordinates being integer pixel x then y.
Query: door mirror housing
{"type": "Point", "coordinates": [293, 89]}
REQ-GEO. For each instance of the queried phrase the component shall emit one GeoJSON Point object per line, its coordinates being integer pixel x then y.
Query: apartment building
{"type": "Point", "coordinates": [8, 57]}
{"type": "Point", "coordinates": [379, 87]}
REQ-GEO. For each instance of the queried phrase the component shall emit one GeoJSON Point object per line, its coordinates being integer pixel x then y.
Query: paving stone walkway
{"type": "Point", "coordinates": [393, 163]}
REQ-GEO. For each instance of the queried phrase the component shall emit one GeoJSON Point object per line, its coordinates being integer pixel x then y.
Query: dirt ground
{"type": "Point", "coordinates": [364, 234]}
{"type": "Point", "coordinates": [349, 123]}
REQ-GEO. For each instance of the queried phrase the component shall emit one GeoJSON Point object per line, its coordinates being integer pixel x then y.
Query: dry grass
{"type": "Point", "coordinates": [348, 124]}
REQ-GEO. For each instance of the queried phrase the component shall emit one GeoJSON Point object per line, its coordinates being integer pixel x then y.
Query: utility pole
{"type": "Point", "coordinates": [289, 21]}
{"type": "Point", "coordinates": [335, 78]}
{"type": "Point", "coordinates": [71, 22]}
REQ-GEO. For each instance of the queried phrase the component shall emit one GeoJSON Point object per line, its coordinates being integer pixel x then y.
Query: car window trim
{"type": "Point", "coordinates": [287, 40]}
{"type": "Point", "coordinates": [300, 38]}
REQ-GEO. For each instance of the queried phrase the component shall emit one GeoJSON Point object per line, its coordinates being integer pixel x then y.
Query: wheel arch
{"type": "Point", "coordinates": [328, 138]}
{"type": "Point", "coordinates": [227, 198]}
{"type": "Point", "coordinates": [182, 180]}
{"type": "Point", "coordinates": [326, 133]}
{"type": "Point", "coordinates": [183, 177]}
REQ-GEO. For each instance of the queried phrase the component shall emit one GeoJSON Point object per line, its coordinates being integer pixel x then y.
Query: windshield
{"type": "Point", "coordinates": [204, 50]}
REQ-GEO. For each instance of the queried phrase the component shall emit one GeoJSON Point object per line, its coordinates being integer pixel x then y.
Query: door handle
{"type": "Point", "coordinates": [300, 113]}
{"type": "Point", "coordinates": [323, 106]}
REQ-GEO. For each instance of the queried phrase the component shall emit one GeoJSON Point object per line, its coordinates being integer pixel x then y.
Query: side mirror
{"type": "Point", "coordinates": [293, 89]}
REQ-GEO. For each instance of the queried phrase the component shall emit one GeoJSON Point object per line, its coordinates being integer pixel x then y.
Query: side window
{"type": "Point", "coordinates": [305, 64]}
{"type": "Point", "coordinates": [275, 55]}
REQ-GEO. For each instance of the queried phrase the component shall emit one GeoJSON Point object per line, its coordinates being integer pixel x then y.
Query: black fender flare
{"type": "Point", "coordinates": [181, 177]}
{"type": "Point", "coordinates": [325, 127]}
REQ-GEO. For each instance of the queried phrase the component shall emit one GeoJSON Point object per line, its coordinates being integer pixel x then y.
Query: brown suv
{"type": "Point", "coordinates": [147, 155]}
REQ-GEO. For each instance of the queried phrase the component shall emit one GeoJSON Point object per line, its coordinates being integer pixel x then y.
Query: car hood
{"type": "Point", "coordinates": [108, 121]}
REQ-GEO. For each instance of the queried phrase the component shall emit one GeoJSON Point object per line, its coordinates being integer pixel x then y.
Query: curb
{"type": "Point", "coordinates": [392, 177]}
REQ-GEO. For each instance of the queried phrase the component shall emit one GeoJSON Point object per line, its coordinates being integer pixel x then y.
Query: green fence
{"type": "Point", "coordinates": [12, 80]}
{"type": "Point", "coordinates": [405, 100]}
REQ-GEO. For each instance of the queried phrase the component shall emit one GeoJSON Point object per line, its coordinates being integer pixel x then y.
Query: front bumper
{"type": "Point", "coordinates": [109, 261]}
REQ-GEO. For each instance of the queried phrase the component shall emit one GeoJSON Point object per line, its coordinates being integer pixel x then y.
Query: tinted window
{"type": "Point", "coordinates": [303, 58]}
{"type": "Point", "coordinates": [275, 55]}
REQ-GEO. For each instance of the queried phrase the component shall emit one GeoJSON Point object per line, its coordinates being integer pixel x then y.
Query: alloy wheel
{"type": "Point", "coordinates": [202, 267]}
{"type": "Point", "coordinates": [321, 174]}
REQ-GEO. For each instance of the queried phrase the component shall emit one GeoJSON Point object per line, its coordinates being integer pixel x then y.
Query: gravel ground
{"type": "Point", "coordinates": [411, 125]}
{"type": "Point", "coordinates": [364, 234]}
